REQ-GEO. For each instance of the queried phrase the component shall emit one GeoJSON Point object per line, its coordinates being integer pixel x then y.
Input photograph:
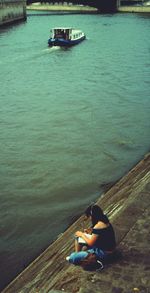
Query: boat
{"type": "Point", "coordinates": [65, 37]}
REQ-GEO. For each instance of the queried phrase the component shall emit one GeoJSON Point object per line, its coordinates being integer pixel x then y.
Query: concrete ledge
{"type": "Point", "coordinates": [136, 9]}
{"type": "Point", "coordinates": [127, 204]}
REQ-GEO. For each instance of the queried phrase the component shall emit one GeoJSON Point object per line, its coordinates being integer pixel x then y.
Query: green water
{"type": "Point", "coordinates": [70, 120]}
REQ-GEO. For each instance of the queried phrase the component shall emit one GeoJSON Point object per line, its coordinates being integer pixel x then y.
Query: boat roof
{"type": "Point", "coordinates": [61, 28]}
{"type": "Point", "coordinates": [66, 28]}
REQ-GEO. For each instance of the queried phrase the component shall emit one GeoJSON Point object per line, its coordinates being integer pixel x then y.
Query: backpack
{"type": "Point", "coordinates": [91, 262]}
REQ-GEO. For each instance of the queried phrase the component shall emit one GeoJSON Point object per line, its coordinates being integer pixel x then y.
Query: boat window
{"type": "Point", "coordinates": [60, 33]}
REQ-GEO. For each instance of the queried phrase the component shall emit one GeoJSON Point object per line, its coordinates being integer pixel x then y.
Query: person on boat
{"type": "Point", "coordinates": [99, 241]}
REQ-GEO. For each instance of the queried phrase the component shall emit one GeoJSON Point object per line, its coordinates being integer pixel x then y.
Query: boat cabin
{"type": "Point", "coordinates": [66, 33]}
{"type": "Point", "coordinates": [61, 33]}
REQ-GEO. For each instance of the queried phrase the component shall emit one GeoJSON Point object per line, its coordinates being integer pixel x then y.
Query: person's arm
{"type": "Point", "coordinates": [88, 230]}
{"type": "Point", "coordinates": [92, 240]}
{"type": "Point", "coordinates": [89, 241]}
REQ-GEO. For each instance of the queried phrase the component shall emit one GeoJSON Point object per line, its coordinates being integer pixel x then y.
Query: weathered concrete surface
{"type": "Point", "coordinates": [127, 204]}
{"type": "Point", "coordinates": [12, 11]}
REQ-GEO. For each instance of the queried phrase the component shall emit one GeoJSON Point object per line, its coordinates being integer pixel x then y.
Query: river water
{"type": "Point", "coordinates": [70, 121]}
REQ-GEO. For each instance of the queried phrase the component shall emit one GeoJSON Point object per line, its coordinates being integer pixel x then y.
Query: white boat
{"type": "Point", "coordinates": [65, 37]}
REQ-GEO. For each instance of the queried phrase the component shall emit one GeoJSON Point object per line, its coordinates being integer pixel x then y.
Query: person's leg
{"type": "Point", "coordinates": [99, 253]}
{"type": "Point", "coordinates": [76, 257]}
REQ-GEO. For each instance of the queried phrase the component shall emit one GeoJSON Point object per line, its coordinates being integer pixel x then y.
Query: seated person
{"type": "Point", "coordinates": [100, 240]}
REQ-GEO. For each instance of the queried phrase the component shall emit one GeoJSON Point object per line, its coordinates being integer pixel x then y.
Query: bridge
{"type": "Point", "coordinates": [104, 6]}
{"type": "Point", "coordinates": [15, 10]}
{"type": "Point", "coordinates": [101, 5]}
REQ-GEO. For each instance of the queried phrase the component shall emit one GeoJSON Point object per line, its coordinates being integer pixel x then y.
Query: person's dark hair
{"type": "Point", "coordinates": [96, 214]}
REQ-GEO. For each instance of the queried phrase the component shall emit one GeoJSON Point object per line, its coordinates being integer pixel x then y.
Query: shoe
{"type": "Point", "coordinates": [67, 258]}
{"type": "Point", "coordinates": [100, 265]}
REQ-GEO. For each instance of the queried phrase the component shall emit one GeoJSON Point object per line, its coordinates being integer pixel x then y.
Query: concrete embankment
{"type": "Point", "coordinates": [136, 9]}
{"type": "Point", "coordinates": [12, 11]}
{"type": "Point", "coordinates": [127, 205]}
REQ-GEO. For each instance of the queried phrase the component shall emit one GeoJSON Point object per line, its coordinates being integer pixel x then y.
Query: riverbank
{"type": "Point", "coordinates": [134, 9]}
{"type": "Point", "coordinates": [127, 204]}
{"type": "Point", "coordinates": [62, 8]}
